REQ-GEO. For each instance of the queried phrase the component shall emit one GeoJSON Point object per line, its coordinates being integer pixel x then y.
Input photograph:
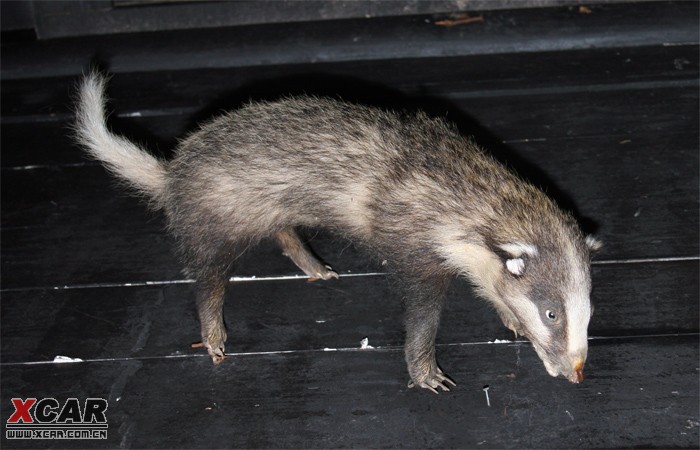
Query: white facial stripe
{"type": "Point", "coordinates": [578, 313]}
{"type": "Point", "coordinates": [529, 315]}
{"type": "Point", "coordinates": [578, 307]}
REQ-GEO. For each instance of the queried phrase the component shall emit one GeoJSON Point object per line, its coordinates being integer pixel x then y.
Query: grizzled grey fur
{"type": "Point", "coordinates": [406, 186]}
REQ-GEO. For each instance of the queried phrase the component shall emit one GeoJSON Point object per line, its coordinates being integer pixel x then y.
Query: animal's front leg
{"type": "Point", "coordinates": [424, 301]}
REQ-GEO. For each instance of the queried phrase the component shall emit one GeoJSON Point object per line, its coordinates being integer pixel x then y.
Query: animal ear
{"type": "Point", "coordinates": [516, 266]}
{"type": "Point", "coordinates": [515, 256]}
{"type": "Point", "coordinates": [593, 244]}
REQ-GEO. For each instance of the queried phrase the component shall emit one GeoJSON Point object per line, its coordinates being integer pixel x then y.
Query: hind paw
{"type": "Point", "coordinates": [322, 273]}
{"type": "Point", "coordinates": [215, 351]}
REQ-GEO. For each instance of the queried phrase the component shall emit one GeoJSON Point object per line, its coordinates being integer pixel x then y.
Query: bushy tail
{"type": "Point", "coordinates": [126, 160]}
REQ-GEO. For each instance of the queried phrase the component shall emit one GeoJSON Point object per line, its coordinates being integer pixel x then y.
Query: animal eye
{"type": "Point", "coordinates": [550, 314]}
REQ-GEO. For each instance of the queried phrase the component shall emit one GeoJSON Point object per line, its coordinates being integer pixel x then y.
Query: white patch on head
{"type": "Point", "coordinates": [516, 266]}
{"type": "Point", "coordinates": [518, 249]}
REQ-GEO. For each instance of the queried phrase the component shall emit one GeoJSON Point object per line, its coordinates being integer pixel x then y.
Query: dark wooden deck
{"type": "Point", "coordinates": [598, 106]}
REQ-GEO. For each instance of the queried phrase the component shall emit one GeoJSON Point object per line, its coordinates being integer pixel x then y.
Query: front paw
{"type": "Point", "coordinates": [433, 380]}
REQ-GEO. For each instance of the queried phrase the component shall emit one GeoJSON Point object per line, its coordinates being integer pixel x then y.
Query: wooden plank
{"type": "Point", "coordinates": [64, 19]}
{"type": "Point", "coordinates": [601, 109]}
{"type": "Point", "coordinates": [397, 83]}
{"type": "Point", "coordinates": [123, 322]}
{"type": "Point", "coordinates": [636, 192]}
{"type": "Point", "coordinates": [638, 393]}
{"type": "Point", "coordinates": [643, 205]}
{"type": "Point", "coordinates": [585, 114]}
{"type": "Point", "coordinates": [515, 31]}
{"type": "Point", "coordinates": [494, 120]}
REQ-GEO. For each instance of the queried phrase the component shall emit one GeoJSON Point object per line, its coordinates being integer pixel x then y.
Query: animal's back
{"type": "Point", "coordinates": [295, 162]}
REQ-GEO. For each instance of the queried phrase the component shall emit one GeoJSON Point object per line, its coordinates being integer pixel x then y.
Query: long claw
{"type": "Point", "coordinates": [442, 377]}
{"type": "Point", "coordinates": [431, 389]}
{"type": "Point", "coordinates": [331, 273]}
{"type": "Point", "coordinates": [411, 385]}
{"type": "Point", "coordinates": [432, 385]}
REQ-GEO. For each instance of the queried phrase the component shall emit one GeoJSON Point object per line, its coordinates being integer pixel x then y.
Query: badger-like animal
{"type": "Point", "coordinates": [407, 187]}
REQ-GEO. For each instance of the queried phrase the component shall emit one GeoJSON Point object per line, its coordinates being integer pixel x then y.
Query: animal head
{"type": "Point", "coordinates": [546, 289]}
{"type": "Point", "coordinates": [541, 290]}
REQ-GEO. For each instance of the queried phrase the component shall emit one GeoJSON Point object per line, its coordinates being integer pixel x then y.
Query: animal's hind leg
{"type": "Point", "coordinates": [210, 307]}
{"type": "Point", "coordinates": [299, 252]}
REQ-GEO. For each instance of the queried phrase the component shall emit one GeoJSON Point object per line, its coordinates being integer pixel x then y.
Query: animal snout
{"type": "Point", "coordinates": [577, 374]}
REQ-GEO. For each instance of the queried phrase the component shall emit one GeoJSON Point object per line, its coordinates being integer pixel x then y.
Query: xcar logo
{"type": "Point", "coordinates": [48, 419]}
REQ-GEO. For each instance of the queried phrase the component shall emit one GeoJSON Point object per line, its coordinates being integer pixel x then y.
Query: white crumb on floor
{"type": "Point", "coordinates": [66, 359]}
{"type": "Point", "coordinates": [364, 344]}
{"type": "Point", "coordinates": [500, 341]}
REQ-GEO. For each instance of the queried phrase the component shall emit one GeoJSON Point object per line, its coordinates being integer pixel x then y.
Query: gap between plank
{"type": "Point", "coordinates": [300, 276]}
{"type": "Point", "coordinates": [386, 348]}
{"type": "Point", "coordinates": [645, 260]}
{"type": "Point", "coordinates": [578, 88]}
{"type": "Point", "coordinates": [487, 93]}
{"type": "Point", "coordinates": [183, 281]}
